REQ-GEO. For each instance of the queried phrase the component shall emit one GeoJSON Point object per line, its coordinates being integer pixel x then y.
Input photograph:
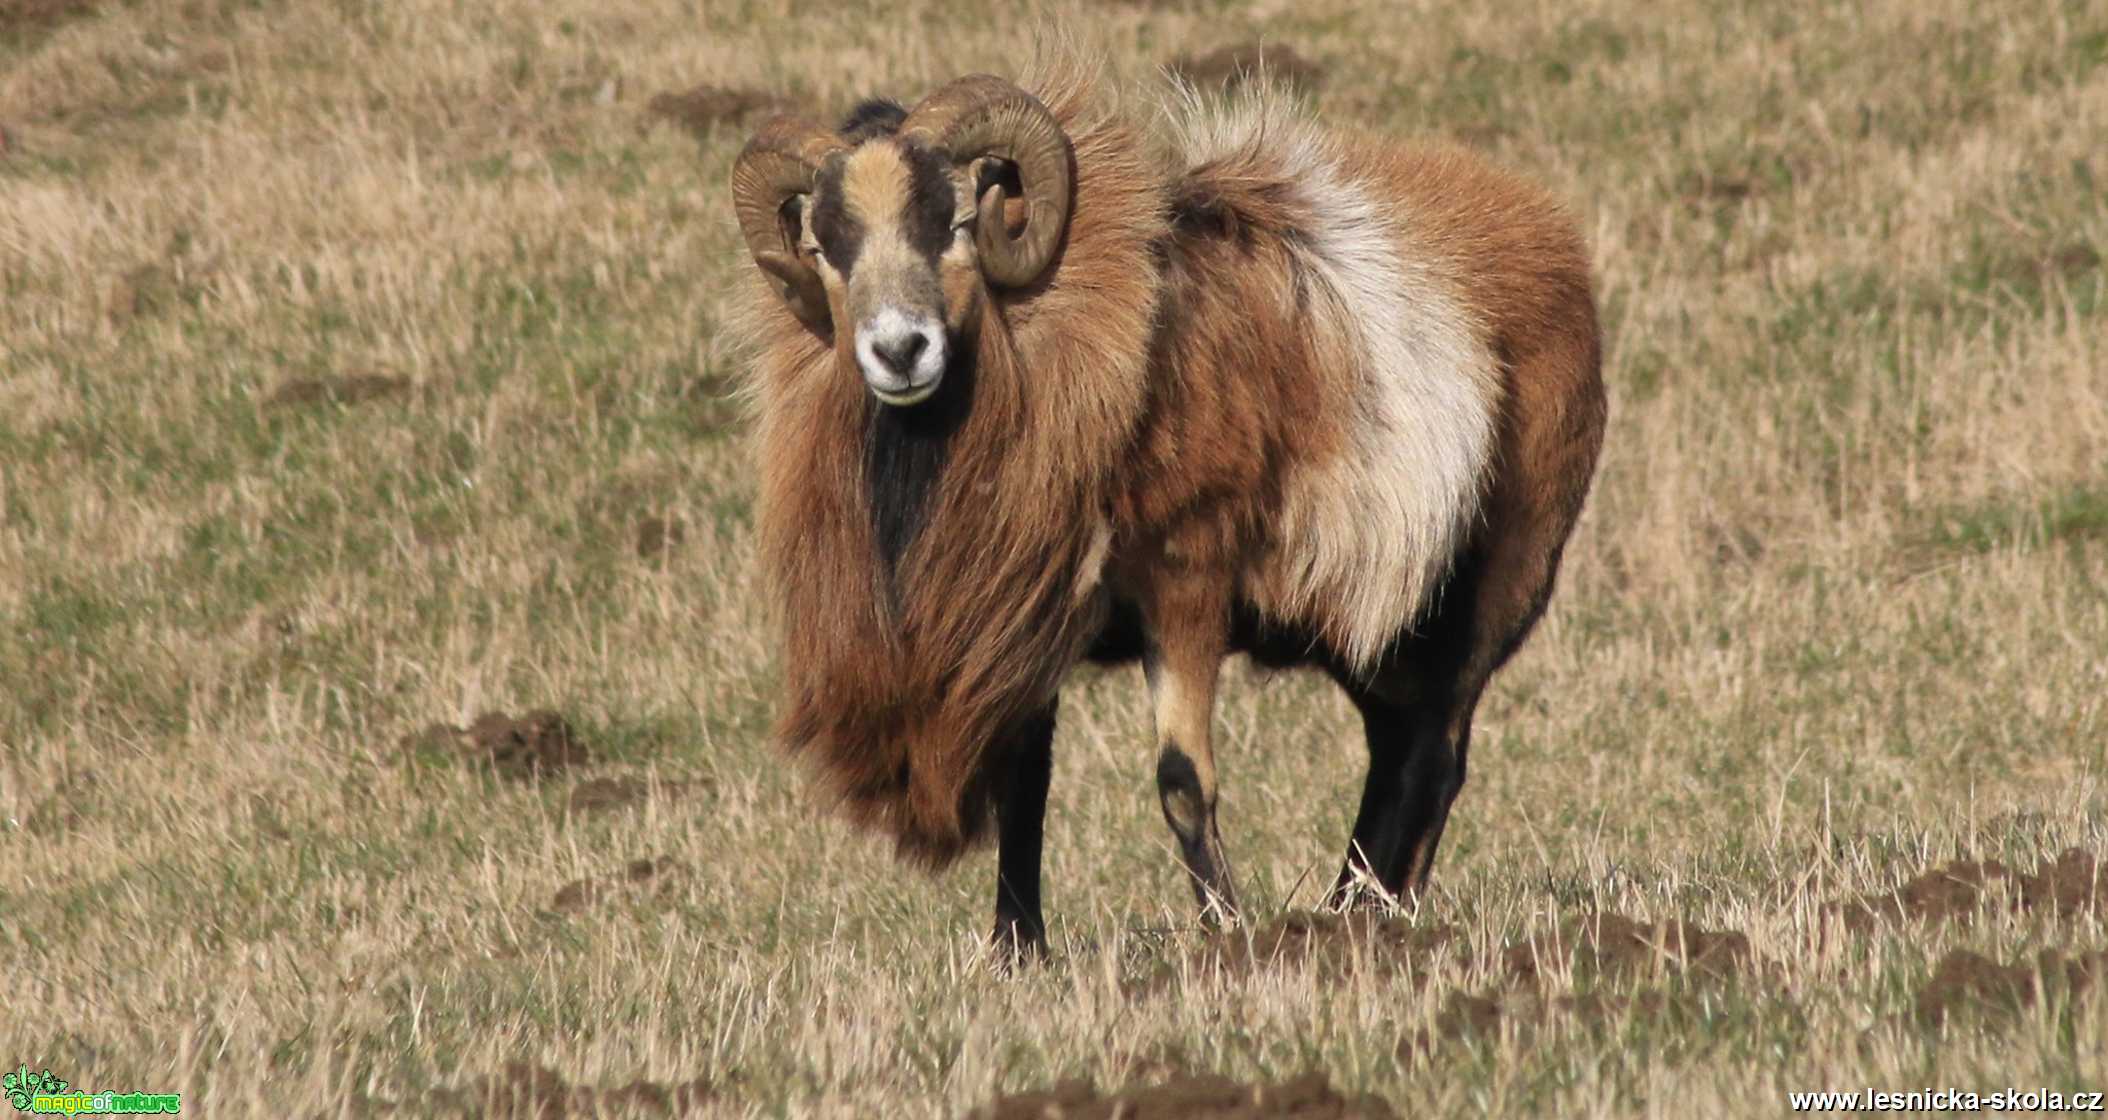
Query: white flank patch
{"type": "Point", "coordinates": [1367, 536]}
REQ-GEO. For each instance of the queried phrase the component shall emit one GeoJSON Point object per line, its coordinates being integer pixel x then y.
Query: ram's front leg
{"type": "Point", "coordinates": [1187, 616]}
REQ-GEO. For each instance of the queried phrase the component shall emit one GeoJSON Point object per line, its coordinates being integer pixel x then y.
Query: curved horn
{"type": "Point", "coordinates": [777, 165]}
{"type": "Point", "coordinates": [984, 115]}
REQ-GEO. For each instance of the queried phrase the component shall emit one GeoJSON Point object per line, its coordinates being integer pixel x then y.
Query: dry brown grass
{"type": "Point", "coordinates": [349, 352]}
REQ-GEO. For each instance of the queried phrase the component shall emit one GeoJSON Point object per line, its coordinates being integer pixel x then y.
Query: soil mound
{"type": "Point", "coordinates": [656, 875]}
{"type": "Point", "coordinates": [703, 108]}
{"type": "Point", "coordinates": [1966, 983]}
{"type": "Point", "coordinates": [349, 389]}
{"type": "Point", "coordinates": [526, 748]}
{"type": "Point", "coordinates": [1327, 940]}
{"type": "Point", "coordinates": [1605, 944]}
{"type": "Point", "coordinates": [604, 795]}
{"type": "Point", "coordinates": [1610, 949]}
{"type": "Point", "coordinates": [660, 534]}
{"type": "Point", "coordinates": [1239, 63]}
{"type": "Point", "coordinates": [1957, 891]}
{"type": "Point", "coordinates": [1613, 945]}
{"type": "Point", "coordinates": [524, 1090]}
{"type": "Point", "coordinates": [1332, 944]}
{"type": "Point", "coordinates": [1203, 1096]}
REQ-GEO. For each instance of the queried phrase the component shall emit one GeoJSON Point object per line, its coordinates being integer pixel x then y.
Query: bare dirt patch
{"type": "Point", "coordinates": [526, 748]}
{"type": "Point", "coordinates": [1971, 984]}
{"type": "Point", "coordinates": [1607, 949]}
{"type": "Point", "coordinates": [1613, 945]}
{"type": "Point", "coordinates": [348, 389]}
{"type": "Point", "coordinates": [711, 403]}
{"type": "Point", "coordinates": [1188, 1095]}
{"type": "Point", "coordinates": [1235, 65]}
{"type": "Point", "coordinates": [1699, 189]}
{"type": "Point", "coordinates": [1958, 890]}
{"type": "Point", "coordinates": [1605, 952]}
{"type": "Point", "coordinates": [2026, 266]}
{"type": "Point", "coordinates": [2075, 259]}
{"type": "Point", "coordinates": [1482, 1014]}
{"type": "Point", "coordinates": [22, 19]}
{"type": "Point", "coordinates": [142, 292]}
{"type": "Point", "coordinates": [523, 1090]}
{"type": "Point", "coordinates": [656, 535]}
{"type": "Point", "coordinates": [703, 108]}
{"type": "Point", "coordinates": [656, 876]}
{"type": "Point", "coordinates": [1606, 945]}
{"type": "Point", "coordinates": [1329, 941]}
{"type": "Point", "coordinates": [636, 508]}
{"type": "Point", "coordinates": [606, 795]}
{"type": "Point", "coordinates": [1331, 944]}
{"type": "Point", "coordinates": [61, 812]}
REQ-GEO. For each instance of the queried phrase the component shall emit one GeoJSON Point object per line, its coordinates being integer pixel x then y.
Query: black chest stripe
{"type": "Point", "coordinates": [903, 457]}
{"type": "Point", "coordinates": [905, 454]}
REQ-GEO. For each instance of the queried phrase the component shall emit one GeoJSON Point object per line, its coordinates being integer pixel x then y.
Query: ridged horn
{"type": "Point", "coordinates": [777, 165]}
{"type": "Point", "coordinates": [981, 116]}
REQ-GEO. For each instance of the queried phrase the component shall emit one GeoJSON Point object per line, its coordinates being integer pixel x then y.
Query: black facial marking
{"type": "Point", "coordinates": [839, 233]}
{"type": "Point", "coordinates": [926, 219]}
{"type": "Point", "coordinates": [873, 116]}
{"type": "Point", "coordinates": [931, 202]}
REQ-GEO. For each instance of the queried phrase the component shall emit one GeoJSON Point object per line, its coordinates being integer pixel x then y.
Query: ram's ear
{"type": "Point", "coordinates": [994, 171]}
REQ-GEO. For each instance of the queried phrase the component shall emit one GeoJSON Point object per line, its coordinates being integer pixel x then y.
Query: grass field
{"type": "Point", "coordinates": [361, 375]}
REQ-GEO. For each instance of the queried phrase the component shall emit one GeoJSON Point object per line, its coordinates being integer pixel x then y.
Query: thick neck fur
{"type": "Point", "coordinates": [927, 564]}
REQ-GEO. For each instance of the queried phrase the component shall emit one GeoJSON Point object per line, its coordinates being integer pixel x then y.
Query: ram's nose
{"type": "Point", "coordinates": [898, 354]}
{"type": "Point", "coordinates": [902, 355]}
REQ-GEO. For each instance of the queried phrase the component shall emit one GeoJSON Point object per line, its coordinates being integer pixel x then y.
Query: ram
{"type": "Point", "coordinates": [1039, 380]}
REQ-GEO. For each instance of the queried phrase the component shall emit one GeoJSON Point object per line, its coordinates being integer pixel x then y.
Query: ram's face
{"type": "Point", "coordinates": [889, 229]}
{"type": "Point", "coordinates": [887, 233]}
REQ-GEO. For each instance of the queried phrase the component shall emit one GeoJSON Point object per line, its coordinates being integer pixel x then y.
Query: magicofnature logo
{"type": "Point", "coordinates": [44, 1093]}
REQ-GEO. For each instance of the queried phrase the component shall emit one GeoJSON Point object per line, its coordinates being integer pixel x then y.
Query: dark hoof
{"type": "Point", "coordinates": [1364, 897]}
{"type": "Point", "coordinates": [1016, 944]}
{"type": "Point", "coordinates": [1219, 912]}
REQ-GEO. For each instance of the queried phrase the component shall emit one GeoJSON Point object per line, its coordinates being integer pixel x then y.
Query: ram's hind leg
{"type": "Point", "coordinates": [1187, 619]}
{"type": "Point", "coordinates": [1416, 768]}
{"type": "Point", "coordinates": [1021, 812]}
{"type": "Point", "coordinates": [1417, 707]}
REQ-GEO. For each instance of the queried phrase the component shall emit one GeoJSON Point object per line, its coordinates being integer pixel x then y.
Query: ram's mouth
{"type": "Point", "coordinates": [915, 395]}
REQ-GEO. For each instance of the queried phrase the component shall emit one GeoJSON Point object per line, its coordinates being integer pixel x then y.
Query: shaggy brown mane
{"type": "Point", "coordinates": [896, 685]}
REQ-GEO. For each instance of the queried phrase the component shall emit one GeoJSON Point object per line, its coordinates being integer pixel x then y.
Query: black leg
{"type": "Point", "coordinates": [1021, 813]}
{"type": "Point", "coordinates": [1416, 768]}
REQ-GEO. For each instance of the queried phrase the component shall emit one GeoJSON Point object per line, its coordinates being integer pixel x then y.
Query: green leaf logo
{"type": "Point", "coordinates": [23, 1087]}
